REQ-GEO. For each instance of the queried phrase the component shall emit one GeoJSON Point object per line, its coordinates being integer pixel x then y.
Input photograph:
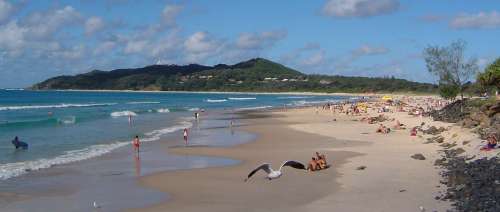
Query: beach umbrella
{"type": "Point", "coordinates": [387, 98]}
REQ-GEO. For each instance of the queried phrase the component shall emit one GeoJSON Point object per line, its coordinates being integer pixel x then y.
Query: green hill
{"type": "Point", "coordinates": [257, 75]}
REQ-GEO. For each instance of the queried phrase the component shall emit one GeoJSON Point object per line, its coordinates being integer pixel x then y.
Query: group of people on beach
{"type": "Point", "coordinates": [317, 163]}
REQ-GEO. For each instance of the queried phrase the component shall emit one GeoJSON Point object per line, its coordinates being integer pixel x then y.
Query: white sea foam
{"type": "Point", "coordinates": [137, 103]}
{"type": "Point", "coordinates": [254, 108]}
{"type": "Point", "coordinates": [67, 120]}
{"type": "Point", "coordinates": [194, 109]}
{"type": "Point", "coordinates": [26, 107]}
{"type": "Point", "coordinates": [15, 169]}
{"type": "Point", "coordinates": [163, 110]}
{"type": "Point", "coordinates": [123, 113]}
{"type": "Point", "coordinates": [156, 134]}
{"type": "Point", "coordinates": [242, 98]}
{"type": "Point", "coordinates": [9, 170]}
{"type": "Point", "coordinates": [216, 100]}
{"type": "Point", "coordinates": [304, 102]}
{"type": "Point", "coordinates": [13, 89]}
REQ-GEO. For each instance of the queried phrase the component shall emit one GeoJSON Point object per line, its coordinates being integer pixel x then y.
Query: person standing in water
{"type": "Point", "coordinates": [185, 136]}
{"type": "Point", "coordinates": [136, 143]}
{"type": "Point", "coordinates": [130, 119]}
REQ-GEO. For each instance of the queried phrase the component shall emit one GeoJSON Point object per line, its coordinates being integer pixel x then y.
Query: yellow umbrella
{"type": "Point", "coordinates": [386, 98]}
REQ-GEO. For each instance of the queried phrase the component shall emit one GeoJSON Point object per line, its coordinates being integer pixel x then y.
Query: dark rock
{"type": "Point", "coordinates": [472, 185]}
{"type": "Point", "coordinates": [361, 168]}
{"type": "Point", "coordinates": [434, 130]}
{"type": "Point", "coordinates": [418, 156]}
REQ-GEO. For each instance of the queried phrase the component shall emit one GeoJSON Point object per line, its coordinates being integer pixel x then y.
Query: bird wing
{"type": "Point", "coordinates": [293, 164]}
{"type": "Point", "coordinates": [266, 167]}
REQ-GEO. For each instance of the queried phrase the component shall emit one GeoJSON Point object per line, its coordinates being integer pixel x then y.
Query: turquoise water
{"type": "Point", "coordinates": [67, 126]}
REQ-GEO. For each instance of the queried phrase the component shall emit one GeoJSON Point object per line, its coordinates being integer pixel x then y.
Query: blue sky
{"type": "Point", "coordinates": [41, 39]}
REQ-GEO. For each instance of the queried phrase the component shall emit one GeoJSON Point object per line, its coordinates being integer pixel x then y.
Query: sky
{"type": "Point", "coordinates": [376, 38]}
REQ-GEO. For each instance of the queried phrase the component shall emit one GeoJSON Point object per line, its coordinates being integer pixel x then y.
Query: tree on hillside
{"type": "Point", "coordinates": [449, 64]}
{"type": "Point", "coordinates": [490, 78]}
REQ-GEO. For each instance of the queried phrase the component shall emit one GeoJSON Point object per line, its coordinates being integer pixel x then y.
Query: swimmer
{"type": "Point", "coordinates": [19, 144]}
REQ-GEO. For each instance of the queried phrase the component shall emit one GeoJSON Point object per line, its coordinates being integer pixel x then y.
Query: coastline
{"type": "Point", "coordinates": [244, 92]}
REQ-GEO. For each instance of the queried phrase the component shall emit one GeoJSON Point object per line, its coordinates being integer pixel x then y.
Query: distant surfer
{"type": "Point", "coordinates": [136, 143]}
{"type": "Point", "coordinates": [19, 144]}
{"type": "Point", "coordinates": [185, 136]}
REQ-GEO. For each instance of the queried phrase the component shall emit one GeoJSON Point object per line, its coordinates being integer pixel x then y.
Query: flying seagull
{"type": "Point", "coordinates": [96, 205]}
{"type": "Point", "coordinates": [272, 174]}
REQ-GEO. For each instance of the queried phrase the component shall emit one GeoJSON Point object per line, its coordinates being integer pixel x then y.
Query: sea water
{"type": "Point", "coordinates": [62, 127]}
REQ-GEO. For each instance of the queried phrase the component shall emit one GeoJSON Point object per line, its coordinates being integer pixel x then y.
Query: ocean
{"type": "Point", "coordinates": [63, 127]}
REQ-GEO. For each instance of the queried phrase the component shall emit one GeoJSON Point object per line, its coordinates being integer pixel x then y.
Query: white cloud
{"type": "Point", "coordinates": [104, 47]}
{"type": "Point", "coordinates": [5, 10]}
{"type": "Point", "coordinates": [93, 25]}
{"type": "Point", "coordinates": [170, 13]}
{"type": "Point", "coordinates": [260, 40]}
{"type": "Point", "coordinates": [73, 53]}
{"type": "Point", "coordinates": [369, 50]}
{"type": "Point", "coordinates": [44, 25]}
{"type": "Point", "coordinates": [315, 59]}
{"type": "Point", "coordinates": [136, 46]}
{"type": "Point", "coordinates": [482, 20]}
{"type": "Point", "coordinates": [12, 37]}
{"type": "Point", "coordinates": [200, 46]}
{"type": "Point", "coordinates": [359, 8]}
{"type": "Point", "coordinates": [200, 42]}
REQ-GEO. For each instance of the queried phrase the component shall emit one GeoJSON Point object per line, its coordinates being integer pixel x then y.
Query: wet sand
{"type": "Point", "coordinates": [224, 189]}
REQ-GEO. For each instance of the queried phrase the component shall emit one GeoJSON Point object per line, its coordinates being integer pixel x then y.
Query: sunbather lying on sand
{"type": "Point", "coordinates": [413, 131]}
{"type": "Point", "coordinates": [383, 129]}
{"type": "Point", "coordinates": [492, 142]}
{"type": "Point", "coordinates": [399, 126]}
{"type": "Point", "coordinates": [321, 160]}
{"type": "Point", "coordinates": [313, 165]}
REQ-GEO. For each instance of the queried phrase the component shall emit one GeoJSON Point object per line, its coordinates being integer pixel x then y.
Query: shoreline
{"type": "Point", "coordinates": [244, 92]}
{"type": "Point", "coordinates": [75, 185]}
{"type": "Point", "coordinates": [200, 191]}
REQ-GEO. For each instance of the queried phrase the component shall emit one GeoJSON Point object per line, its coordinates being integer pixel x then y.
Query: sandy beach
{"type": "Point", "coordinates": [391, 180]}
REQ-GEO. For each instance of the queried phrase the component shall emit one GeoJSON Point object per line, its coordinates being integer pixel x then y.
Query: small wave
{"type": "Point", "coordinates": [303, 102]}
{"type": "Point", "coordinates": [254, 108]}
{"type": "Point", "coordinates": [13, 89]}
{"type": "Point", "coordinates": [194, 109]}
{"type": "Point", "coordinates": [137, 103]}
{"type": "Point", "coordinates": [15, 169]}
{"type": "Point", "coordinates": [26, 107]}
{"type": "Point", "coordinates": [163, 110]}
{"type": "Point", "coordinates": [295, 97]}
{"type": "Point", "coordinates": [67, 120]}
{"type": "Point", "coordinates": [216, 100]}
{"type": "Point", "coordinates": [242, 98]}
{"type": "Point", "coordinates": [156, 134]}
{"type": "Point", "coordinates": [123, 113]}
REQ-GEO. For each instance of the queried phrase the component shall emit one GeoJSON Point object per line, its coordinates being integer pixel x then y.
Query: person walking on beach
{"type": "Point", "coordinates": [136, 143]}
{"type": "Point", "coordinates": [185, 136]}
